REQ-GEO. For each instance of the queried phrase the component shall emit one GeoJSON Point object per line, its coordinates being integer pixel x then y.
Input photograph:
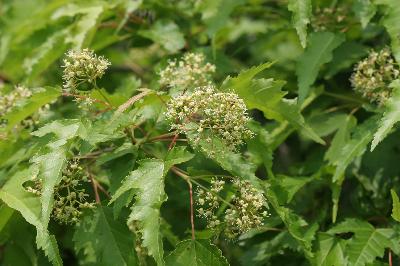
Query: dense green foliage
{"type": "Point", "coordinates": [199, 132]}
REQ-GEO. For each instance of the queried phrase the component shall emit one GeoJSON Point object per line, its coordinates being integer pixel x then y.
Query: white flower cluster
{"type": "Point", "coordinates": [372, 76]}
{"type": "Point", "coordinates": [208, 200]}
{"type": "Point", "coordinates": [10, 100]}
{"type": "Point", "coordinates": [246, 211]}
{"type": "Point", "coordinates": [249, 211]}
{"type": "Point", "coordinates": [188, 73]}
{"type": "Point", "coordinates": [81, 67]}
{"type": "Point", "coordinates": [69, 197]}
{"type": "Point", "coordinates": [206, 113]}
{"type": "Point", "coordinates": [330, 18]}
{"type": "Point", "coordinates": [13, 100]}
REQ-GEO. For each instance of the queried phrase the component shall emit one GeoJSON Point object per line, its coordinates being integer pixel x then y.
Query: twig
{"type": "Point", "coordinates": [132, 100]}
{"type": "Point", "coordinates": [191, 208]}
{"type": "Point", "coordinates": [94, 185]}
{"type": "Point", "coordinates": [390, 258]}
{"type": "Point", "coordinates": [181, 173]}
{"type": "Point", "coordinates": [172, 144]}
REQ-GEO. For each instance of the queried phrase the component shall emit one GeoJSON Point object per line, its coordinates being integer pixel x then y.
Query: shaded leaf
{"type": "Point", "coordinates": [196, 253]}
{"type": "Point", "coordinates": [367, 243]}
{"type": "Point", "coordinates": [39, 98]}
{"type": "Point", "coordinates": [365, 10]}
{"type": "Point", "coordinates": [109, 239]}
{"type": "Point", "coordinates": [301, 10]}
{"type": "Point", "coordinates": [166, 34]}
{"type": "Point", "coordinates": [148, 182]}
{"type": "Point", "coordinates": [396, 205]}
{"type": "Point", "coordinates": [266, 95]}
{"type": "Point", "coordinates": [318, 52]}
{"type": "Point", "coordinates": [331, 251]}
{"type": "Point", "coordinates": [391, 115]}
{"type": "Point", "coordinates": [356, 146]}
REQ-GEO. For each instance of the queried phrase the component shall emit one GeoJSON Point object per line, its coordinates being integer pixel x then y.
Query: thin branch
{"type": "Point", "coordinates": [191, 208]}
{"type": "Point", "coordinates": [94, 185]}
{"type": "Point", "coordinates": [172, 144]}
{"type": "Point", "coordinates": [132, 100]}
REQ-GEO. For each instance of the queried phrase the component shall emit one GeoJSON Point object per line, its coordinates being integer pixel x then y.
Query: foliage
{"type": "Point", "coordinates": [212, 132]}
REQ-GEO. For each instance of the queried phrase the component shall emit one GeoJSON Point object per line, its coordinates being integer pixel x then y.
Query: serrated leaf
{"type": "Point", "coordinates": [109, 239]}
{"type": "Point", "coordinates": [80, 33]}
{"type": "Point", "coordinates": [289, 186]}
{"type": "Point", "coordinates": [365, 10]}
{"type": "Point", "coordinates": [368, 242]}
{"type": "Point", "coordinates": [396, 205]}
{"type": "Point", "coordinates": [391, 115]}
{"type": "Point", "coordinates": [177, 155]}
{"type": "Point", "coordinates": [196, 253]}
{"type": "Point", "coordinates": [345, 56]}
{"type": "Point", "coordinates": [30, 207]}
{"type": "Point", "coordinates": [62, 131]}
{"type": "Point", "coordinates": [296, 225]}
{"type": "Point", "coordinates": [331, 251]}
{"type": "Point", "coordinates": [166, 34]}
{"type": "Point", "coordinates": [216, 13]}
{"type": "Point", "coordinates": [356, 146]}
{"type": "Point", "coordinates": [266, 95]}
{"type": "Point", "coordinates": [40, 97]}
{"type": "Point", "coordinates": [391, 22]}
{"type": "Point", "coordinates": [229, 160]}
{"type": "Point", "coordinates": [261, 253]}
{"type": "Point", "coordinates": [301, 10]}
{"type": "Point", "coordinates": [318, 52]}
{"type": "Point", "coordinates": [148, 182]}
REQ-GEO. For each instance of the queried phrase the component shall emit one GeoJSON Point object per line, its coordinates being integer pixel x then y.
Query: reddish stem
{"type": "Point", "coordinates": [94, 185]}
{"type": "Point", "coordinates": [172, 144]}
{"type": "Point", "coordinates": [191, 208]}
{"type": "Point", "coordinates": [390, 258]}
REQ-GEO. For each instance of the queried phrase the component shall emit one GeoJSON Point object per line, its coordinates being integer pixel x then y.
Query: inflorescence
{"type": "Point", "coordinates": [330, 18]}
{"type": "Point", "coordinates": [81, 67]}
{"type": "Point", "coordinates": [70, 198]}
{"type": "Point", "coordinates": [246, 211]}
{"type": "Point", "coordinates": [206, 114]}
{"type": "Point", "coordinates": [10, 100]}
{"type": "Point", "coordinates": [372, 76]}
{"type": "Point", "coordinates": [188, 73]}
{"type": "Point", "coordinates": [14, 99]}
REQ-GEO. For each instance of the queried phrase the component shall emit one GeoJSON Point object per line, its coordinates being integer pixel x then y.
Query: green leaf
{"type": "Point", "coordinates": [196, 253]}
{"type": "Point", "coordinates": [331, 251]}
{"type": "Point", "coordinates": [81, 32]}
{"type": "Point", "coordinates": [365, 10]}
{"type": "Point", "coordinates": [345, 56]}
{"type": "Point", "coordinates": [148, 182]}
{"type": "Point", "coordinates": [396, 205]}
{"type": "Point", "coordinates": [355, 147]}
{"type": "Point", "coordinates": [318, 52]}
{"type": "Point", "coordinates": [62, 131]}
{"type": "Point", "coordinates": [391, 115]}
{"type": "Point", "coordinates": [31, 208]}
{"type": "Point", "coordinates": [39, 98]}
{"type": "Point", "coordinates": [266, 95]}
{"type": "Point", "coordinates": [391, 23]}
{"type": "Point", "coordinates": [230, 161]}
{"type": "Point", "coordinates": [367, 243]}
{"type": "Point", "coordinates": [109, 239]}
{"type": "Point", "coordinates": [289, 185]}
{"type": "Point", "coordinates": [167, 34]}
{"type": "Point", "coordinates": [177, 155]}
{"type": "Point", "coordinates": [301, 10]}
{"type": "Point", "coordinates": [296, 225]}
